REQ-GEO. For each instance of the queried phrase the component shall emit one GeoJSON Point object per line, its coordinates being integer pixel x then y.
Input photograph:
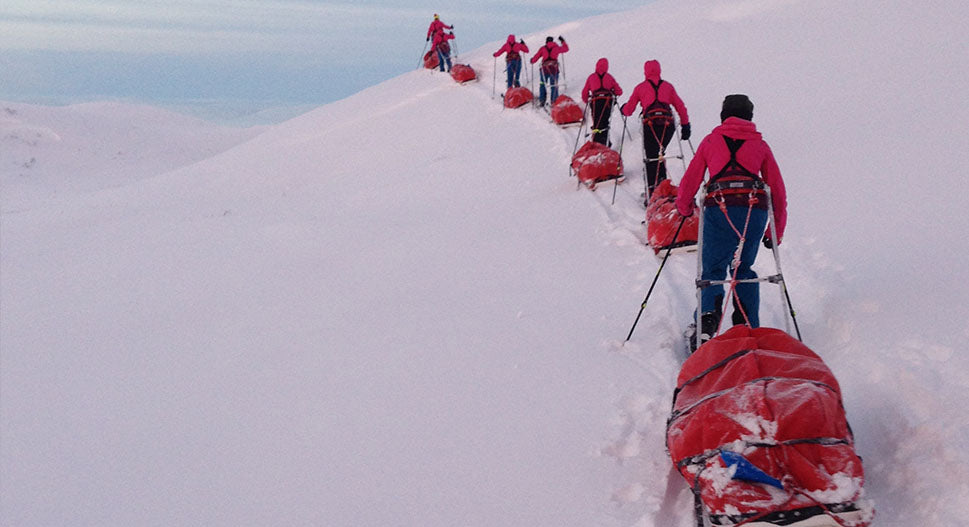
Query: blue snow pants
{"type": "Point", "coordinates": [552, 80]}
{"type": "Point", "coordinates": [513, 68]}
{"type": "Point", "coordinates": [442, 58]}
{"type": "Point", "coordinates": [719, 244]}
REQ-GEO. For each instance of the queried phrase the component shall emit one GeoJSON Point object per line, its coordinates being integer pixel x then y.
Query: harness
{"type": "Point", "coordinates": [734, 185]}
{"type": "Point", "coordinates": [657, 112]}
{"type": "Point", "coordinates": [550, 66]}
{"type": "Point", "coordinates": [512, 54]}
{"type": "Point", "coordinates": [602, 92]}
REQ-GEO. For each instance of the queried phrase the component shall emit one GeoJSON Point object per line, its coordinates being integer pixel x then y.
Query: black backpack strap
{"type": "Point", "coordinates": [733, 167]}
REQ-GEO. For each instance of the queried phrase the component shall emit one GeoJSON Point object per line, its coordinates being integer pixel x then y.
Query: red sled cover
{"type": "Point", "coordinates": [462, 73]}
{"type": "Point", "coordinates": [516, 97]}
{"type": "Point", "coordinates": [596, 162]}
{"type": "Point", "coordinates": [430, 60]}
{"type": "Point", "coordinates": [662, 220]}
{"type": "Point", "coordinates": [759, 432]}
{"type": "Point", "coordinates": [565, 110]}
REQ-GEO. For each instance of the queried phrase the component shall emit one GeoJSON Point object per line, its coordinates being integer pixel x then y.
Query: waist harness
{"type": "Point", "coordinates": [657, 112]}
{"type": "Point", "coordinates": [734, 185]}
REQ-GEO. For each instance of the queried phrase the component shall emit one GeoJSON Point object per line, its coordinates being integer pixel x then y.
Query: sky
{"type": "Point", "coordinates": [239, 55]}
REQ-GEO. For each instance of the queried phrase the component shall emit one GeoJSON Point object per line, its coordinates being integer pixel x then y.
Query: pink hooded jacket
{"type": "Point", "coordinates": [442, 38]}
{"type": "Point", "coordinates": [755, 155]}
{"type": "Point", "coordinates": [550, 51]}
{"type": "Point", "coordinates": [644, 94]}
{"type": "Point", "coordinates": [600, 80]}
{"type": "Point", "coordinates": [511, 46]}
{"type": "Point", "coordinates": [436, 26]}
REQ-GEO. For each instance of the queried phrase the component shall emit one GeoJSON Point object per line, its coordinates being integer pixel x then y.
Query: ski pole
{"type": "Point", "coordinates": [420, 61]}
{"type": "Point", "coordinates": [655, 278]}
{"type": "Point", "coordinates": [777, 261]}
{"type": "Point", "coordinates": [679, 144]}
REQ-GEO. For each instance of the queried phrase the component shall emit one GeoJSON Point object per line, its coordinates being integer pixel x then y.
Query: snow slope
{"type": "Point", "coordinates": [397, 309]}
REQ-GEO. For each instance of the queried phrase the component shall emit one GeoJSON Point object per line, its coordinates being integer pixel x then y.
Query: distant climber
{"type": "Point", "coordinates": [443, 49]}
{"type": "Point", "coordinates": [599, 93]}
{"type": "Point", "coordinates": [656, 96]}
{"type": "Point", "coordinates": [513, 59]}
{"type": "Point", "coordinates": [436, 26]}
{"type": "Point", "coordinates": [549, 71]}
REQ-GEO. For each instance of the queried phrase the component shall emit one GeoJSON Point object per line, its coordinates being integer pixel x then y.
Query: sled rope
{"type": "Point", "coordinates": [735, 262]}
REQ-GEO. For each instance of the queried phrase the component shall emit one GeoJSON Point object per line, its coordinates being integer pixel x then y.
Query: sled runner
{"type": "Point", "coordinates": [516, 97]}
{"type": "Point", "coordinates": [595, 163]}
{"type": "Point", "coordinates": [565, 111]}
{"type": "Point", "coordinates": [662, 221]}
{"type": "Point", "coordinates": [758, 430]}
{"type": "Point", "coordinates": [462, 73]}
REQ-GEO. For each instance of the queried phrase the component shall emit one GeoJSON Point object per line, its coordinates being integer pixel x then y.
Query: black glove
{"type": "Point", "coordinates": [428, 39]}
{"type": "Point", "coordinates": [522, 41]}
{"type": "Point", "coordinates": [768, 242]}
{"type": "Point", "coordinates": [561, 39]}
{"type": "Point", "coordinates": [685, 131]}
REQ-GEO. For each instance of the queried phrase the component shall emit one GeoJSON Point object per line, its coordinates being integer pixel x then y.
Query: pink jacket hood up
{"type": "Point", "coordinates": [607, 82]}
{"type": "Point", "coordinates": [643, 94]}
{"type": "Point", "coordinates": [511, 46]}
{"type": "Point", "coordinates": [755, 155]}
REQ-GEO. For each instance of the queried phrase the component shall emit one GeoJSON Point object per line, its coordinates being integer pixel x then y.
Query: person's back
{"type": "Point", "coordinates": [600, 92]}
{"type": "Point", "coordinates": [657, 98]}
{"type": "Point", "coordinates": [735, 215]}
{"type": "Point", "coordinates": [549, 71]}
{"type": "Point", "coordinates": [513, 59]}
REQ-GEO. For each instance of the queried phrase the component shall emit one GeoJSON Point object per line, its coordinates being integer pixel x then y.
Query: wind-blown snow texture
{"type": "Point", "coordinates": [397, 309]}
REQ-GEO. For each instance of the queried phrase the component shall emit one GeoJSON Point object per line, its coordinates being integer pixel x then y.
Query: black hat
{"type": "Point", "coordinates": [737, 105]}
{"type": "Point", "coordinates": [549, 39]}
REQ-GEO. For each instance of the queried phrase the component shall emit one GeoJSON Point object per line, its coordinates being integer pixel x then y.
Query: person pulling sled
{"type": "Point", "coordinates": [443, 49]}
{"type": "Point", "coordinates": [743, 172]}
{"type": "Point", "coordinates": [599, 93]}
{"type": "Point", "coordinates": [658, 98]}
{"type": "Point", "coordinates": [513, 60]}
{"type": "Point", "coordinates": [549, 71]}
{"type": "Point", "coordinates": [436, 27]}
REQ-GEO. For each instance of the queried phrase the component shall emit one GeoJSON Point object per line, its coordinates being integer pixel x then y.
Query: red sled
{"type": "Point", "coordinates": [758, 430]}
{"type": "Point", "coordinates": [462, 73]}
{"type": "Point", "coordinates": [430, 60]}
{"type": "Point", "coordinates": [516, 97]}
{"type": "Point", "coordinates": [662, 220]}
{"type": "Point", "coordinates": [595, 163]}
{"type": "Point", "coordinates": [566, 111]}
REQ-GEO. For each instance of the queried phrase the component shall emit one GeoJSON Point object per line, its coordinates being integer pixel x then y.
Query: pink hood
{"type": "Point", "coordinates": [652, 70]}
{"type": "Point", "coordinates": [602, 66]}
{"type": "Point", "coordinates": [511, 39]}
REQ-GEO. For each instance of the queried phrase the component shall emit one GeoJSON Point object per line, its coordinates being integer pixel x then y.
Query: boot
{"type": "Point", "coordinates": [708, 325]}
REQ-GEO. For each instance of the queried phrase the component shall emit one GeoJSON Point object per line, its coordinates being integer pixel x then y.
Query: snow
{"type": "Point", "coordinates": [397, 309]}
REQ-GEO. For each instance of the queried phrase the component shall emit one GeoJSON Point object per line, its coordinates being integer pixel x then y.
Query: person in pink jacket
{"type": "Point", "coordinates": [549, 53]}
{"type": "Point", "coordinates": [443, 49]}
{"type": "Point", "coordinates": [656, 96]}
{"type": "Point", "coordinates": [601, 89]}
{"type": "Point", "coordinates": [436, 26]}
{"type": "Point", "coordinates": [513, 59]}
{"type": "Point", "coordinates": [740, 163]}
